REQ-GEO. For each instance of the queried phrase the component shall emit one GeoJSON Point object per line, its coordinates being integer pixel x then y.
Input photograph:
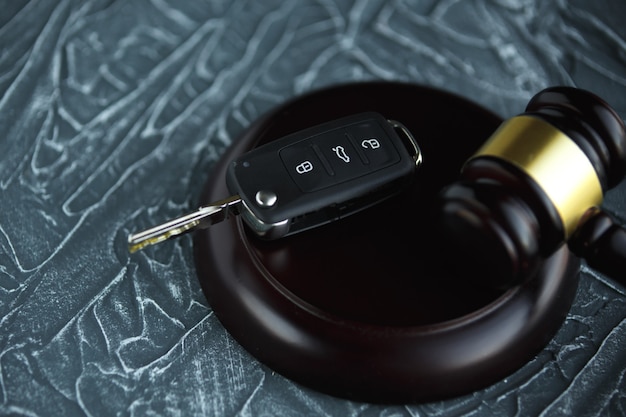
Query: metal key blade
{"type": "Point", "coordinates": [200, 219]}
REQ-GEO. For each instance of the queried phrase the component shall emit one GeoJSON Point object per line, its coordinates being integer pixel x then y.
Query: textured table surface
{"type": "Point", "coordinates": [112, 115]}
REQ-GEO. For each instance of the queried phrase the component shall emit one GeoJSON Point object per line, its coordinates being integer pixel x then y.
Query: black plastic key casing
{"type": "Point", "coordinates": [321, 174]}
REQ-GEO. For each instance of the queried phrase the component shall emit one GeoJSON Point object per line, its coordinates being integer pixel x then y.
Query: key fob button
{"type": "Point", "coordinates": [265, 198]}
{"type": "Point", "coordinates": [338, 150]}
{"type": "Point", "coordinates": [305, 167]}
{"type": "Point", "coordinates": [373, 142]}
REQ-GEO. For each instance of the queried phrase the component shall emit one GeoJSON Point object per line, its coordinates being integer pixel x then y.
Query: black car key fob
{"type": "Point", "coordinates": [307, 179]}
{"type": "Point", "coordinates": [323, 173]}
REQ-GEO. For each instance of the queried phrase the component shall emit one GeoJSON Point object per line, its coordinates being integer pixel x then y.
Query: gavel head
{"type": "Point", "coordinates": [524, 192]}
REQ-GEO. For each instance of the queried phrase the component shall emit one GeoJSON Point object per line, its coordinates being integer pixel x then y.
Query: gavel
{"type": "Point", "coordinates": [536, 184]}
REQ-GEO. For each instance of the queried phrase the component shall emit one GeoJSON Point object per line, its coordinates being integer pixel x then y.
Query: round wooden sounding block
{"type": "Point", "coordinates": [365, 308]}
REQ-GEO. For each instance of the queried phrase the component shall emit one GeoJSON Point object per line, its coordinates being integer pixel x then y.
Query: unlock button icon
{"type": "Point", "coordinates": [371, 143]}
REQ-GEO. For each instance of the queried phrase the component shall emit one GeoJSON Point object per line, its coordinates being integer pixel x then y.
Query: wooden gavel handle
{"type": "Point", "coordinates": [602, 243]}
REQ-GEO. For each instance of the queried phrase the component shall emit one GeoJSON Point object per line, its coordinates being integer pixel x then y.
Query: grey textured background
{"type": "Point", "coordinates": [112, 114]}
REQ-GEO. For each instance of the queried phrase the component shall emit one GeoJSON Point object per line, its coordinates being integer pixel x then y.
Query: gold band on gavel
{"type": "Point", "coordinates": [553, 161]}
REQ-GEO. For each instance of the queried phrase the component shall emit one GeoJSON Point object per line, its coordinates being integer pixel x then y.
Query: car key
{"type": "Point", "coordinates": [306, 179]}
